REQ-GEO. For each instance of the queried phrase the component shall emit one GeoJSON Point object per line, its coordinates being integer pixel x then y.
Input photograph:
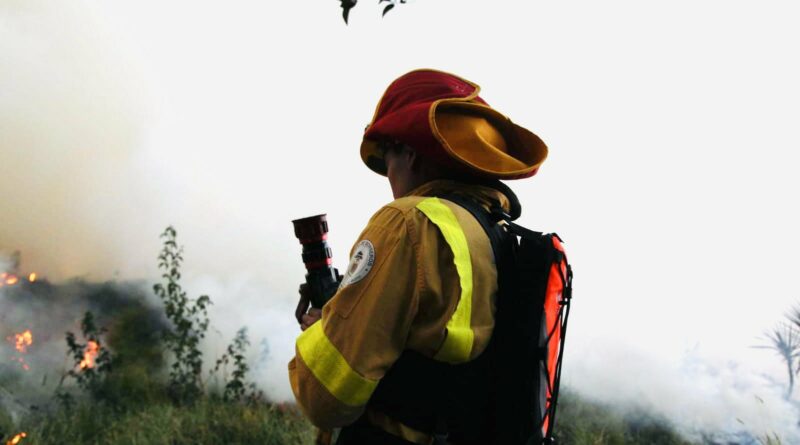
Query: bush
{"type": "Point", "coordinates": [91, 360]}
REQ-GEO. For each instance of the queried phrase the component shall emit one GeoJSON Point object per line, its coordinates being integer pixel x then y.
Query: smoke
{"type": "Point", "coordinates": [85, 190]}
{"type": "Point", "coordinates": [29, 376]}
{"type": "Point", "coordinates": [95, 161]}
{"type": "Point", "coordinates": [271, 329]}
{"type": "Point", "coordinates": [700, 394]}
{"type": "Point", "coordinates": [71, 117]}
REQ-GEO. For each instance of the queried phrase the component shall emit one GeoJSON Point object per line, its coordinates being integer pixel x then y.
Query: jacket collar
{"type": "Point", "coordinates": [485, 193]}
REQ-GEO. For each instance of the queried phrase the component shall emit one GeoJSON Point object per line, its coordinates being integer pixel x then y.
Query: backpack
{"type": "Point", "coordinates": [522, 362]}
{"type": "Point", "coordinates": [533, 303]}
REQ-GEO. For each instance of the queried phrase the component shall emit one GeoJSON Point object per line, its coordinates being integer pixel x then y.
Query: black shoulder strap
{"type": "Point", "coordinates": [506, 250]}
{"type": "Point", "coordinates": [502, 237]}
{"type": "Point", "coordinates": [489, 220]}
{"type": "Point", "coordinates": [506, 378]}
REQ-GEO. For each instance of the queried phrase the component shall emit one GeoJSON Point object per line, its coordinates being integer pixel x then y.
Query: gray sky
{"type": "Point", "coordinates": [672, 129]}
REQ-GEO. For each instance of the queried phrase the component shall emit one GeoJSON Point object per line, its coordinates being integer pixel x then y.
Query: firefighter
{"type": "Point", "coordinates": [419, 290]}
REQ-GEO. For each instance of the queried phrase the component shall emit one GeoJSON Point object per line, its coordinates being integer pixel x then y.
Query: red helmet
{"type": "Point", "coordinates": [441, 116]}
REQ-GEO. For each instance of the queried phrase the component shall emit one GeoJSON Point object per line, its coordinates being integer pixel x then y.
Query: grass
{"type": "Point", "coordinates": [581, 422]}
{"type": "Point", "coordinates": [214, 421]}
{"type": "Point", "coordinates": [132, 406]}
{"type": "Point", "coordinates": [209, 421]}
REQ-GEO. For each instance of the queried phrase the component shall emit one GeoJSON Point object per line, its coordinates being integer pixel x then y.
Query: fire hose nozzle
{"type": "Point", "coordinates": [312, 228]}
{"type": "Point", "coordinates": [322, 278]}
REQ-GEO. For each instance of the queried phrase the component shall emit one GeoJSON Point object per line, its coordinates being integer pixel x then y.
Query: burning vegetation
{"type": "Point", "coordinates": [35, 314]}
{"type": "Point", "coordinates": [128, 363]}
{"type": "Point", "coordinates": [21, 341]}
{"type": "Point", "coordinates": [17, 439]}
{"type": "Point", "coordinates": [90, 354]}
{"type": "Point", "coordinates": [116, 358]}
{"type": "Point", "coordinates": [9, 279]}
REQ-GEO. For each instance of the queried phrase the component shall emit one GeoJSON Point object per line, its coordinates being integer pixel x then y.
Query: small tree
{"type": "Point", "coordinates": [784, 339]}
{"type": "Point", "coordinates": [235, 387]}
{"type": "Point", "coordinates": [189, 320]}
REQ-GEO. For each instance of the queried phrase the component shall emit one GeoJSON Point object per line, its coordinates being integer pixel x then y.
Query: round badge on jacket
{"type": "Point", "coordinates": [360, 263]}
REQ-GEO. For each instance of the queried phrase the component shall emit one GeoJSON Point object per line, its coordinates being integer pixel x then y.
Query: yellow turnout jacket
{"type": "Point", "coordinates": [421, 277]}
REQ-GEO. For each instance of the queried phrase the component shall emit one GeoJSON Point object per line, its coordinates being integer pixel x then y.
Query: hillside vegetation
{"type": "Point", "coordinates": [134, 374]}
{"type": "Point", "coordinates": [213, 421]}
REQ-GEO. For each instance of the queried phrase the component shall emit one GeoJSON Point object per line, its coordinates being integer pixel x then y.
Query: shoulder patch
{"type": "Point", "coordinates": [360, 264]}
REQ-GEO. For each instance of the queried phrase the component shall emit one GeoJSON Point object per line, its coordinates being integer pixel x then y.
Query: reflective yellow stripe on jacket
{"type": "Point", "coordinates": [430, 290]}
{"type": "Point", "coordinates": [331, 369]}
{"type": "Point", "coordinates": [458, 343]}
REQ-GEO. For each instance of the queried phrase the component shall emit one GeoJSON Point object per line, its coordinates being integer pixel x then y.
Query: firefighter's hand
{"type": "Point", "coordinates": [310, 318]}
{"type": "Point", "coordinates": [302, 305]}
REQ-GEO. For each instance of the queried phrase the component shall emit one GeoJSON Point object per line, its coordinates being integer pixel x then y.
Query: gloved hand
{"type": "Point", "coordinates": [310, 318]}
{"type": "Point", "coordinates": [304, 316]}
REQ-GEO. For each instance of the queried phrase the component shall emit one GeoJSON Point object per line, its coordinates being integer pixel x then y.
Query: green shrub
{"type": "Point", "coordinates": [235, 388]}
{"type": "Point", "coordinates": [189, 323]}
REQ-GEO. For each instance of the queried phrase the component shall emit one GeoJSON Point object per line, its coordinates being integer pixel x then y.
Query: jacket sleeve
{"type": "Point", "coordinates": [363, 330]}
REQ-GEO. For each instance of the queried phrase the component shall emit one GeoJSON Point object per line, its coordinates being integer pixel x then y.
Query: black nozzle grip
{"type": "Point", "coordinates": [323, 284]}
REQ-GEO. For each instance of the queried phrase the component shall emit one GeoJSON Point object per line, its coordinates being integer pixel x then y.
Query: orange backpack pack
{"type": "Point", "coordinates": [533, 303]}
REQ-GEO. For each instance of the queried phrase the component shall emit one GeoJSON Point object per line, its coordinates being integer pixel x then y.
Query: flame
{"type": "Point", "coordinates": [21, 342]}
{"type": "Point", "coordinates": [9, 279]}
{"type": "Point", "coordinates": [17, 439]}
{"type": "Point", "coordinates": [89, 355]}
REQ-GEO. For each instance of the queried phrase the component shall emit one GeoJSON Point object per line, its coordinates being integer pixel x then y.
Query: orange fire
{"type": "Point", "coordinates": [89, 355]}
{"type": "Point", "coordinates": [21, 343]}
{"type": "Point", "coordinates": [17, 439]}
{"type": "Point", "coordinates": [9, 279]}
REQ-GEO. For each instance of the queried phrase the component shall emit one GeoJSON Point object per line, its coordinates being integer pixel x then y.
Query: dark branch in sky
{"type": "Point", "coordinates": [347, 5]}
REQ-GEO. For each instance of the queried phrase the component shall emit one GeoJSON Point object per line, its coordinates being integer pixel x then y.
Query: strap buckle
{"type": "Point", "coordinates": [499, 214]}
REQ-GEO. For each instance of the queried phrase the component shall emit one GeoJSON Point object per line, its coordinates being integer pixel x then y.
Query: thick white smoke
{"type": "Point", "coordinates": [699, 392]}
{"type": "Point", "coordinates": [80, 195]}
{"type": "Point", "coordinates": [240, 135]}
{"type": "Point", "coordinates": [72, 114]}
